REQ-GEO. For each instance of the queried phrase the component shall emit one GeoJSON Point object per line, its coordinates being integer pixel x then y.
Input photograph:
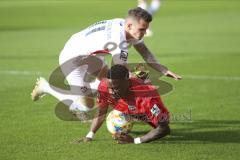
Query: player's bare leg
{"type": "Point", "coordinates": [82, 102]}
{"type": "Point", "coordinates": [78, 107]}
{"type": "Point", "coordinates": [89, 100]}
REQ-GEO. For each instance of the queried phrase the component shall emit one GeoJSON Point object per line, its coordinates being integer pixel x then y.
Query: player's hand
{"type": "Point", "coordinates": [123, 138]}
{"type": "Point", "coordinates": [141, 72]}
{"type": "Point", "coordinates": [172, 75]}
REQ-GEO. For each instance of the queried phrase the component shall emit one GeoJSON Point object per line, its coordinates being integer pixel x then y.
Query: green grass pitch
{"type": "Point", "coordinates": [198, 39]}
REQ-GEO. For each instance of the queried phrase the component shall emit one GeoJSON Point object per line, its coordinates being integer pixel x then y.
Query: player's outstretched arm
{"type": "Point", "coordinates": [97, 122]}
{"type": "Point", "coordinates": [151, 60]}
{"type": "Point", "coordinates": [160, 131]}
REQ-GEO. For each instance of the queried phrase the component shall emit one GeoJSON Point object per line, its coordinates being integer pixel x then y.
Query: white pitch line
{"type": "Point", "coordinates": [197, 77]}
{"type": "Point", "coordinates": [15, 72]}
{"type": "Point", "coordinates": [206, 77]}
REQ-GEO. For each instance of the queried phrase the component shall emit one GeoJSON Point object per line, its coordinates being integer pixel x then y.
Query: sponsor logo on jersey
{"type": "Point", "coordinates": [95, 30]}
{"type": "Point", "coordinates": [123, 55]}
{"type": "Point", "coordinates": [97, 23]}
{"type": "Point", "coordinates": [155, 110]}
{"type": "Point", "coordinates": [131, 108]}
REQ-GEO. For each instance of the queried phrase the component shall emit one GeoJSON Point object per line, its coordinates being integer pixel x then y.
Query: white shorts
{"type": "Point", "coordinates": [79, 70]}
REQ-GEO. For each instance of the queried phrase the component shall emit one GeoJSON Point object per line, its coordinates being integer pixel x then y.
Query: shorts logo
{"type": "Point", "coordinates": [131, 108]}
{"type": "Point", "coordinates": [123, 55]}
{"type": "Point", "coordinates": [83, 89]}
{"type": "Point", "coordinates": [155, 110]}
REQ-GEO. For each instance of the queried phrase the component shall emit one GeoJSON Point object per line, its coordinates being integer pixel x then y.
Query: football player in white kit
{"type": "Point", "coordinates": [84, 53]}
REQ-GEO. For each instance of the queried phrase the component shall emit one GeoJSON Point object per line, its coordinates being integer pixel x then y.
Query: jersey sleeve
{"type": "Point", "coordinates": [157, 112]}
{"type": "Point", "coordinates": [120, 57]}
{"type": "Point", "coordinates": [119, 48]}
{"type": "Point", "coordinates": [103, 95]}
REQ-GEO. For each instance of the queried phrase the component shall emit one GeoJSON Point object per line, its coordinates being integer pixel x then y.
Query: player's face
{"type": "Point", "coordinates": [137, 29]}
{"type": "Point", "coordinates": [118, 88]}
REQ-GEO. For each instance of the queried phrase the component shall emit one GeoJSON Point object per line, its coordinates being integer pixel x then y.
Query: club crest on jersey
{"type": "Point", "coordinates": [155, 110]}
{"type": "Point", "coordinates": [131, 108]}
{"type": "Point", "coordinates": [83, 89]}
{"type": "Point", "coordinates": [123, 55]}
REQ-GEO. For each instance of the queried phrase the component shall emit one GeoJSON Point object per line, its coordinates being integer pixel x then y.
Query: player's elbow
{"type": "Point", "coordinates": [163, 131]}
{"type": "Point", "coordinates": [167, 130]}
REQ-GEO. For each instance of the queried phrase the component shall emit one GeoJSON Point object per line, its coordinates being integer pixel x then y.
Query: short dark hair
{"type": "Point", "coordinates": [118, 72]}
{"type": "Point", "coordinates": [139, 13]}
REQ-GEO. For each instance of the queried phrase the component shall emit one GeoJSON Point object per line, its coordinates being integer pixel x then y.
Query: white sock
{"type": "Point", "coordinates": [63, 95]}
{"type": "Point", "coordinates": [154, 6]}
{"type": "Point", "coordinates": [60, 94]}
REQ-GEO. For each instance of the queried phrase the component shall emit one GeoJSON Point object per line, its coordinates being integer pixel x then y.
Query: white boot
{"type": "Point", "coordinates": [40, 89]}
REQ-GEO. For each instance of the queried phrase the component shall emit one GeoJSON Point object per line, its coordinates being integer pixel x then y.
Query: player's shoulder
{"type": "Point", "coordinates": [144, 87]}
{"type": "Point", "coordinates": [136, 81]}
{"type": "Point", "coordinates": [102, 85]}
{"type": "Point", "coordinates": [118, 20]}
{"type": "Point", "coordinates": [141, 89]}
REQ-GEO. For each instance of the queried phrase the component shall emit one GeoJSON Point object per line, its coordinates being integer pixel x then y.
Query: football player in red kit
{"type": "Point", "coordinates": [133, 97]}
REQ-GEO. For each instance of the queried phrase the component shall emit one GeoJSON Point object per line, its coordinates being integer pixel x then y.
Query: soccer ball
{"type": "Point", "coordinates": [118, 122]}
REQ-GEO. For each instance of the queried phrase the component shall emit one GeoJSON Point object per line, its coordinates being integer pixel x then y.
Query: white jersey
{"type": "Point", "coordinates": [107, 36]}
{"type": "Point", "coordinates": [78, 67]}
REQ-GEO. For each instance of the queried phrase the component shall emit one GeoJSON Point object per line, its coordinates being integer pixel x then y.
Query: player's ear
{"type": "Point", "coordinates": [129, 23]}
{"type": "Point", "coordinates": [129, 26]}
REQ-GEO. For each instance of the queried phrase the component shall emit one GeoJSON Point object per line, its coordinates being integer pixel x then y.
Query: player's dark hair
{"type": "Point", "coordinates": [118, 72]}
{"type": "Point", "coordinates": [139, 13]}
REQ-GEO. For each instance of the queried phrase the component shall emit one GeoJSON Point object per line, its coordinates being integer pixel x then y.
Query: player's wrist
{"type": "Point", "coordinates": [137, 140]}
{"type": "Point", "coordinates": [90, 135]}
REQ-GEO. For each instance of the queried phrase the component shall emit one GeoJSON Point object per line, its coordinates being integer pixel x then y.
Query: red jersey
{"type": "Point", "coordinates": [142, 99]}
